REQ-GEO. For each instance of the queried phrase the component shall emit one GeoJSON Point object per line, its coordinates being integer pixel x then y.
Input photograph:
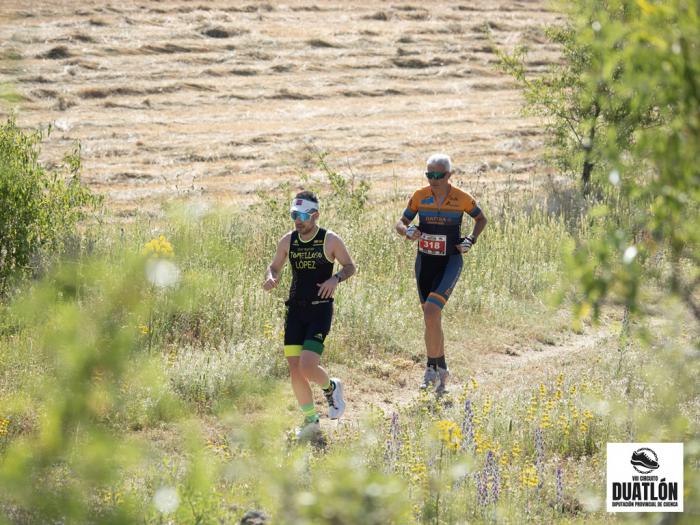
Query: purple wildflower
{"type": "Point", "coordinates": [482, 489]}
{"type": "Point", "coordinates": [560, 486]}
{"type": "Point", "coordinates": [468, 426]}
{"type": "Point", "coordinates": [394, 443]}
{"type": "Point", "coordinates": [539, 457]}
{"type": "Point", "coordinates": [492, 473]}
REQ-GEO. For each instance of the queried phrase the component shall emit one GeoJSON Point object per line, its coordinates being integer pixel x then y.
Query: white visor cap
{"type": "Point", "coordinates": [304, 206]}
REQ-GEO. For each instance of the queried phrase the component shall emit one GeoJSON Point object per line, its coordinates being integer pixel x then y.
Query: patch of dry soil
{"type": "Point", "coordinates": [218, 99]}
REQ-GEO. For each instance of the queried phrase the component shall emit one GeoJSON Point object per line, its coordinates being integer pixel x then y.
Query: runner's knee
{"type": "Point", "coordinates": [431, 313]}
{"type": "Point", "coordinates": [294, 368]}
{"type": "Point", "coordinates": [307, 367]}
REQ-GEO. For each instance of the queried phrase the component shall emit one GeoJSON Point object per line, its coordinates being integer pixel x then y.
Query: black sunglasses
{"type": "Point", "coordinates": [435, 174]}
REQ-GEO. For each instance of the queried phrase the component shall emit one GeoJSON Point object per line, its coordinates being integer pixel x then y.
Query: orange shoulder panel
{"type": "Point", "coordinates": [466, 202]}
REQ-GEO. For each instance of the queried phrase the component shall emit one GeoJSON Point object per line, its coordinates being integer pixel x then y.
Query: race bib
{"type": "Point", "coordinates": [432, 244]}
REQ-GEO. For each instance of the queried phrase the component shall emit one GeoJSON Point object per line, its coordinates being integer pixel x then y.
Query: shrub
{"type": "Point", "coordinates": [39, 207]}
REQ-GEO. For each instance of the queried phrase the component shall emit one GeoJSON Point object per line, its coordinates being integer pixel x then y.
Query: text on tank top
{"type": "Point", "coordinates": [310, 266]}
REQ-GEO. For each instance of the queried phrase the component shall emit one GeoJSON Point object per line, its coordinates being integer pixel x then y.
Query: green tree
{"type": "Point", "coordinates": [652, 57]}
{"type": "Point", "coordinates": [577, 115]}
{"type": "Point", "coordinates": [621, 109]}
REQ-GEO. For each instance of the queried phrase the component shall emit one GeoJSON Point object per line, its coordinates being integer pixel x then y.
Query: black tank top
{"type": "Point", "coordinates": [310, 267]}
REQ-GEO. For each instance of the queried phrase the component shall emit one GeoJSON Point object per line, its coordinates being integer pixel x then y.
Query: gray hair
{"type": "Point", "coordinates": [441, 160]}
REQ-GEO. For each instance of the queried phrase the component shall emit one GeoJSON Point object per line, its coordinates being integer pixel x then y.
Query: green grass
{"type": "Point", "coordinates": [184, 390]}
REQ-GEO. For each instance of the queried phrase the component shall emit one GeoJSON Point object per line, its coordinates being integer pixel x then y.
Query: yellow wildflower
{"type": "Point", "coordinates": [530, 413]}
{"type": "Point", "coordinates": [418, 471]}
{"type": "Point", "coordinates": [464, 394]}
{"type": "Point", "coordinates": [220, 448]}
{"type": "Point", "coordinates": [515, 450]}
{"type": "Point", "coordinates": [563, 424]}
{"type": "Point", "coordinates": [111, 496]}
{"type": "Point", "coordinates": [545, 423]}
{"type": "Point", "coordinates": [449, 433]}
{"type": "Point", "coordinates": [267, 331]}
{"type": "Point", "coordinates": [4, 423]}
{"type": "Point", "coordinates": [158, 247]}
{"type": "Point", "coordinates": [528, 476]}
{"type": "Point", "coordinates": [505, 480]}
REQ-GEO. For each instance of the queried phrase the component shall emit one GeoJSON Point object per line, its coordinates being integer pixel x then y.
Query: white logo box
{"type": "Point", "coordinates": [645, 489]}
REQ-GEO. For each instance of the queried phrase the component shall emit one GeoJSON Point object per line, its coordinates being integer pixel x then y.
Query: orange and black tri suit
{"type": "Point", "coordinates": [438, 262]}
{"type": "Point", "coordinates": [309, 317]}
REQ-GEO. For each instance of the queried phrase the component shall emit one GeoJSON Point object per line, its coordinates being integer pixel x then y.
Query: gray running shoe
{"type": "Point", "coordinates": [443, 375]}
{"type": "Point", "coordinates": [336, 402]}
{"type": "Point", "coordinates": [309, 430]}
{"type": "Point", "coordinates": [431, 379]}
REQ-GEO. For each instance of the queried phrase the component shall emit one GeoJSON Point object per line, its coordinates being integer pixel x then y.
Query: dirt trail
{"type": "Point", "coordinates": [218, 99]}
{"type": "Point", "coordinates": [494, 372]}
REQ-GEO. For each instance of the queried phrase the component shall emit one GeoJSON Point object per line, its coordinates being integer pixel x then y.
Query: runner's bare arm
{"type": "Point", "coordinates": [272, 273]}
{"type": "Point", "coordinates": [336, 250]}
{"type": "Point", "coordinates": [479, 225]}
{"type": "Point", "coordinates": [340, 253]}
{"type": "Point", "coordinates": [402, 227]}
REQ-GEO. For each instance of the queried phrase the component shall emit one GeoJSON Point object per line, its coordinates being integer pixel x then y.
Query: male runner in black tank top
{"type": "Point", "coordinates": [311, 252]}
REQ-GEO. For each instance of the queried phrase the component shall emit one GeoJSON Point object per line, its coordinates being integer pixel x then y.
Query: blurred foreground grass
{"type": "Point", "coordinates": [142, 380]}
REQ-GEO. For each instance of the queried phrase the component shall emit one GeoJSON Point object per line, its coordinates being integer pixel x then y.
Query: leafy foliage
{"type": "Point", "coordinates": [650, 53]}
{"type": "Point", "coordinates": [623, 105]}
{"type": "Point", "coordinates": [577, 114]}
{"type": "Point", "coordinates": [347, 195]}
{"type": "Point", "coordinates": [92, 378]}
{"type": "Point", "coordinates": [39, 208]}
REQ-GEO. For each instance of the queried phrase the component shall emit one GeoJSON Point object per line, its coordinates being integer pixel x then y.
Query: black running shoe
{"type": "Point", "coordinates": [641, 459]}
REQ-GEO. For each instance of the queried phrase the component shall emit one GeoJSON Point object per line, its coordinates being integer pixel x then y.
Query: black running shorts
{"type": "Point", "coordinates": [306, 327]}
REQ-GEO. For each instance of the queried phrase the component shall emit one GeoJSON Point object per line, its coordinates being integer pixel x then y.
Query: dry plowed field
{"type": "Point", "coordinates": [221, 98]}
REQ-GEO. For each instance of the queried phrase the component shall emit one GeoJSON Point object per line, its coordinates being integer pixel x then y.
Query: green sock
{"type": "Point", "coordinates": [327, 387]}
{"type": "Point", "coordinates": [309, 411]}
